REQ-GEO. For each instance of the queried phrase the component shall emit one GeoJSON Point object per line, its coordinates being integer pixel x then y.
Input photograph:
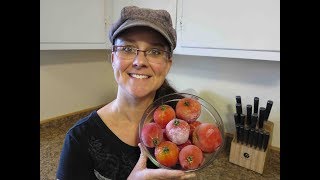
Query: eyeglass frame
{"type": "Point", "coordinates": [114, 49]}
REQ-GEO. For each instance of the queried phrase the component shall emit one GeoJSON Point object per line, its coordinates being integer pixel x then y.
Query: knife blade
{"type": "Point", "coordinates": [249, 112]}
{"type": "Point", "coordinates": [268, 109]}
{"type": "Point", "coordinates": [255, 104]}
{"type": "Point", "coordinates": [262, 113]}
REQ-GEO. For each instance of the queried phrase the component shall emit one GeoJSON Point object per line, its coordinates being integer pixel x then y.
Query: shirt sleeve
{"type": "Point", "coordinates": [74, 161]}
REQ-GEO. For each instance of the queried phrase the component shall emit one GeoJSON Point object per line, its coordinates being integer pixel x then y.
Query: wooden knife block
{"type": "Point", "coordinates": [249, 157]}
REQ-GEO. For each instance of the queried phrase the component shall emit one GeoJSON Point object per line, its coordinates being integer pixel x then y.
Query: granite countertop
{"type": "Point", "coordinates": [52, 135]}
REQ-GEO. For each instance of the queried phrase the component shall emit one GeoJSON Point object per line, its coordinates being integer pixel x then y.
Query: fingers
{"type": "Point", "coordinates": [188, 176]}
{"type": "Point", "coordinates": [142, 162]}
{"type": "Point", "coordinates": [164, 174]}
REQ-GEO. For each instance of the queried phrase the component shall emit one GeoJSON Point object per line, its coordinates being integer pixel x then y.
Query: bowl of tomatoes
{"type": "Point", "coordinates": [181, 131]}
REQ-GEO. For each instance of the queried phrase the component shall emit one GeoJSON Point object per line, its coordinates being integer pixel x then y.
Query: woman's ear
{"type": "Point", "coordinates": [169, 64]}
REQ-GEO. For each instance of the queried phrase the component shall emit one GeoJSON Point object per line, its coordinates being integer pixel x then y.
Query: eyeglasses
{"type": "Point", "coordinates": [153, 55]}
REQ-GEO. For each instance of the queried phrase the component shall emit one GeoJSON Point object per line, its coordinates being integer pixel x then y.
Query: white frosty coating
{"type": "Point", "coordinates": [177, 135]}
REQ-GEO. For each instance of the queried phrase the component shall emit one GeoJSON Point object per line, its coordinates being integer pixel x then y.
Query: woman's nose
{"type": "Point", "coordinates": [140, 60]}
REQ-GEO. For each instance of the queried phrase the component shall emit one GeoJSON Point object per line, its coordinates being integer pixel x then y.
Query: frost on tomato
{"type": "Point", "coordinates": [207, 137]}
{"type": "Point", "coordinates": [151, 134]}
{"type": "Point", "coordinates": [190, 157]}
{"type": "Point", "coordinates": [188, 109]}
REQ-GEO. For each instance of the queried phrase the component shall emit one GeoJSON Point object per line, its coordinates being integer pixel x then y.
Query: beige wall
{"type": "Point", "coordinates": [76, 80]}
{"type": "Point", "coordinates": [219, 80]}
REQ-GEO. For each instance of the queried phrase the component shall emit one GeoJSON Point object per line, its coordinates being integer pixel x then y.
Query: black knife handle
{"type": "Point", "coordinates": [236, 118]}
{"type": "Point", "coordinates": [238, 132]}
{"type": "Point", "coordinates": [246, 135]}
{"type": "Point", "coordinates": [242, 119]}
{"type": "Point", "coordinates": [249, 112]}
{"type": "Point", "coordinates": [268, 109]}
{"type": "Point", "coordinates": [266, 140]}
{"type": "Point", "coordinates": [238, 99]}
{"type": "Point", "coordinates": [260, 139]}
{"type": "Point", "coordinates": [262, 113]}
{"type": "Point", "coordinates": [255, 138]}
{"type": "Point", "coordinates": [239, 108]}
{"type": "Point", "coordinates": [254, 119]}
{"type": "Point", "coordinates": [255, 104]}
{"type": "Point", "coordinates": [251, 134]}
{"type": "Point", "coordinates": [241, 134]}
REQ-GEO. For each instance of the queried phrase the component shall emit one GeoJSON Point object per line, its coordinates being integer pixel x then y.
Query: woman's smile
{"type": "Point", "coordinates": [139, 76]}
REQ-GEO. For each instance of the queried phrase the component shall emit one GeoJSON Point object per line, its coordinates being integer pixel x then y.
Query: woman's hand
{"type": "Point", "coordinates": [140, 171]}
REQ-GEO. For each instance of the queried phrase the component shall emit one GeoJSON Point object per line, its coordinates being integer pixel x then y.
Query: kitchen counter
{"type": "Point", "coordinates": [52, 135]}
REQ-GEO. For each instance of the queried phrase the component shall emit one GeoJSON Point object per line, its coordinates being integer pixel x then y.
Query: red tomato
{"type": "Point", "coordinates": [193, 125]}
{"type": "Point", "coordinates": [163, 114]}
{"type": "Point", "coordinates": [167, 153]}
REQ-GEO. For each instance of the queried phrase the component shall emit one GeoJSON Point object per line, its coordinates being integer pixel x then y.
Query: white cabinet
{"type": "Point", "coordinates": [229, 28]}
{"type": "Point", "coordinates": [73, 24]}
{"type": "Point", "coordinates": [84, 24]}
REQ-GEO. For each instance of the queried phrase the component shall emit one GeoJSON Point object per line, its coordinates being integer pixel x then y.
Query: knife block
{"type": "Point", "coordinates": [249, 157]}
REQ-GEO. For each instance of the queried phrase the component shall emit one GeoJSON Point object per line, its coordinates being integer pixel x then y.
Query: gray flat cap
{"type": "Point", "coordinates": [132, 16]}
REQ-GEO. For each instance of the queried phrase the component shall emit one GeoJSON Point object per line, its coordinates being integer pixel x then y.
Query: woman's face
{"type": "Point", "coordinates": [139, 77]}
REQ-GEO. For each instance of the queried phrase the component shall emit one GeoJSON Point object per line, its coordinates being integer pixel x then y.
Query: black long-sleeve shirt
{"type": "Point", "coordinates": [92, 151]}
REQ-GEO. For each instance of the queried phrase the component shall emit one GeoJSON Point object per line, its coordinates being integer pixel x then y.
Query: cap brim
{"type": "Point", "coordinates": [134, 23]}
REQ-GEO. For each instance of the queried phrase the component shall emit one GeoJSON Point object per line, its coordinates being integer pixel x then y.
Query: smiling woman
{"type": "Point", "coordinates": [105, 144]}
{"type": "Point", "coordinates": [136, 72]}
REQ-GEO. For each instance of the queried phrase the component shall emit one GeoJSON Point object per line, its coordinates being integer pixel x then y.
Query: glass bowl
{"type": "Point", "coordinates": [208, 115]}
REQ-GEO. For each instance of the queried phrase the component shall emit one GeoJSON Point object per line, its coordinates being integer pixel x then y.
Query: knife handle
{"type": "Point", "coordinates": [255, 138]}
{"type": "Point", "coordinates": [239, 108]}
{"type": "Point", "coordinates": [266, 140]}
{"type": "Point", "coordinates": [260, 138]}
{"type": "Point", "coordinates": [268, 109]}
{"type": "Point", "coordinates": [254, 120]}
{"type": "Point", "coordinates": [242, 119]}
{"type": "Point", "coordinates": [238, 99]}
{"type": "Point", "coordinates": [251, 132]}
{"type": "Point", "coordinates": [249, 112]}
{"type": "Point", "coordinates": [241, 134]}
{"type": "Point", "coordinates": [238, 132]}
{"type": "Point", "coordinates": [236, 118]}
{"type": "Point", "coordinates": [255, 104]}
{"type": "Point", "coordinates": [246, 135]}
{"type": "Point", "coordinates": [262, 113]}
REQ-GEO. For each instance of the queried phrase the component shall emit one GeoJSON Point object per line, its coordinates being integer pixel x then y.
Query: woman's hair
{"type": "Point", "coordinates": [165, 89]}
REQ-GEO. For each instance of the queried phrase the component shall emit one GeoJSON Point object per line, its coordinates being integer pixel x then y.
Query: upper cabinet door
{"type": "Point", "coordinates": [230, 28]}
{"type": "Point", "coordinates": [72, 24]}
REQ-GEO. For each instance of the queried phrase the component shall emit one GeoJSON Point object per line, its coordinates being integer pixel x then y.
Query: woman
{"type": "Point", "coordinates": [105, 144]}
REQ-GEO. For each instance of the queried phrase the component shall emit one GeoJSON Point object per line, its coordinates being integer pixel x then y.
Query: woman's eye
{"type": "Point", "coordinates": [155, 52]}
{"type": "Point", "coordinates": [127, 49]}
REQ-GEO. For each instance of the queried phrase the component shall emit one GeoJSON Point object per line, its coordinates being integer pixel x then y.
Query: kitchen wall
{"type": "Point", "coordinates": [75, 80]}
